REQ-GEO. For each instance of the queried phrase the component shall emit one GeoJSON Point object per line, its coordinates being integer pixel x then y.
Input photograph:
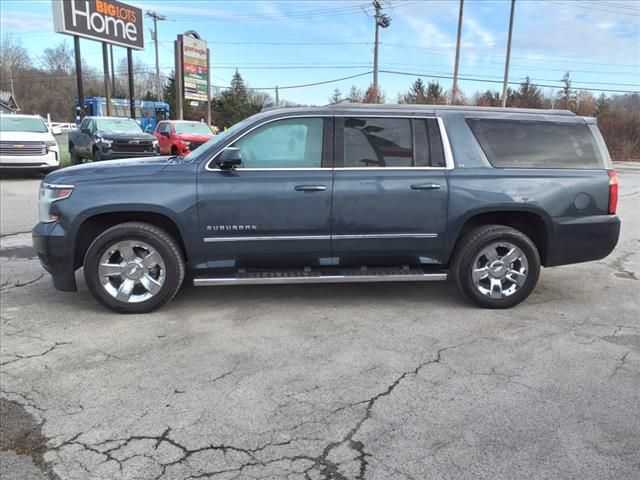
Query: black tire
{"type": "Point", "coordinates": [97, 156]}
{"type": "Point", "coordinates": [161, 241]}
{"type": "Point", "coordinates": [75, 158]}
{"type": "Point", "coordinates": [475, 242]}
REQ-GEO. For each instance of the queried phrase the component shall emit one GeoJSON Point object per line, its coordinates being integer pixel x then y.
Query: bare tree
{"type": "Point", "coordinates": [14, 60]}
{"type": "Point", "coordinates": [58, 59]}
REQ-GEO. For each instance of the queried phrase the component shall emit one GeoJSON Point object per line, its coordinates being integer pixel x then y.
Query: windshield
{"type": "Point", "coordinates": [195, 128]}
{"type": "Point", "coordinates": [9, 123]}
{"type": "Point", "coordinates": [197, 154]}
{"type": "Point", "coordinates": [118, 125]}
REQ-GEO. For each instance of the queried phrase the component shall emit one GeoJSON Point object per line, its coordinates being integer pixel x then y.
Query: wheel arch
{"type": "Point", "coordinates": [535, 223]}
{"type": "Point", "coordinates": [95, 223]}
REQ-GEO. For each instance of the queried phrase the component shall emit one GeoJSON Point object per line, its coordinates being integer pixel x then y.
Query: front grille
{"type": "Point", "coordinates": [132, 147]}
{"type": "Point", "coordinates": [195, 145]}
{"type": "Point", "coordinates": [22, 149]}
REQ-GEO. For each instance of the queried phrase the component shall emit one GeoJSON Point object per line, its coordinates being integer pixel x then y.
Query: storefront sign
{"type": "Point", "coordinates": [195, 68]}
{"type": "Point", "coordinates": [102, 20]}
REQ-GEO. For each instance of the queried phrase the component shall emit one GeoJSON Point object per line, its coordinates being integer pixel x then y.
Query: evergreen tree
{"type": "Point", "coordinates": [336, 97]}
{"type": "Point", "coordinates": [567, 95]}
{"type": "Point", "coordinates": [356, 95]}
{"type": "Point", "coordinates": [235, 104]}
{"type": "Point", "coordinates": [416, 94]}
{"type": "Point", "coordinates": [602, 106]}
{"type": "Point", "coordinates": [528, 95]}
{"type": "Point", "coordinates": [169, 94]}
{"type": "Point", "coordinates": [435, 94]}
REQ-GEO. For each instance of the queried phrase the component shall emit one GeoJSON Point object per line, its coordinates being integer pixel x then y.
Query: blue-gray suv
{"type": "Point", "coordinates": [351, 193]}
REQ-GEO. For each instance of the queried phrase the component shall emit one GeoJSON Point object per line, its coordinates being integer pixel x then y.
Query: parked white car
{"type": "Point", "coordinates": [27, 143]}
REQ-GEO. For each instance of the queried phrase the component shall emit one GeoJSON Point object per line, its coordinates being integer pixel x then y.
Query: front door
{"type": "Point", "coordinates": [390, 192]}
{"type": "Point", "coordinates": [274, 210]}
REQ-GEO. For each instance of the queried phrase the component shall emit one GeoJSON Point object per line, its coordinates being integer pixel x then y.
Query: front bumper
{"type": "Point", "coordinates": [108, 154]}
{"type": "Point", "coordinates": [55, 251]}
{"type": "Point", "coordinates": [582, 239]}
{"type": "Point", "coordinates": [48, 162]}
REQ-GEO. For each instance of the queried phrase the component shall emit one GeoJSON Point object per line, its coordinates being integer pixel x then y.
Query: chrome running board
{"type": "Point", "coordinates": [335, 276]}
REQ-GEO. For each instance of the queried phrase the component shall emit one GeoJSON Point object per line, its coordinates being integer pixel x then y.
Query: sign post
{"type": "Point", "coordinates": [107, 84]}
{"type": "Point", "coordinates": [76, 48]}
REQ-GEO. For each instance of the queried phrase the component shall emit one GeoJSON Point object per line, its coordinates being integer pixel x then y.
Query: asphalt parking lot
{"type": "Point", "coordinates": [374, 381]}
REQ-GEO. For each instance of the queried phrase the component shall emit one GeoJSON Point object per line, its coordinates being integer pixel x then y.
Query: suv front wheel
{"type": "Point", "coordinates": [495, 266]}
{"type": "Point", "coordinates": [134, 267]}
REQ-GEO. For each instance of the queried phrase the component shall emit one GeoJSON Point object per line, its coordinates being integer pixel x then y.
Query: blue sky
{"type": "Point", "coordinates": [297, 42]}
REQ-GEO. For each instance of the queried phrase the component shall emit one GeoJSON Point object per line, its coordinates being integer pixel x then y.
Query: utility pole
{"type": "Point", "coordinates": [382, 20]}
{"type": "Point", "coordinates": [506, 65]}
{"type": "Point", "coordinates": [454, 90]}
{"type": "Point", "coordinates": [156, 18]}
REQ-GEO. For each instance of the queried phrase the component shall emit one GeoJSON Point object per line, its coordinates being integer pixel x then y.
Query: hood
{"type": "Point", "coordinates": [94, 172]}
{"type": "Point", "coordinates": [26, 137]}
{"type": "Point", "coordinates": [194, 137]}
{"type": "Point", "coordinates": [126, 136]}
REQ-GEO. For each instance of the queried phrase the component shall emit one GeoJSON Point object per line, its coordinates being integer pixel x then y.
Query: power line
{"type": "Point", "coordinates": [469, 79]}
{"type": "Point", "coordinates": [581, 5]}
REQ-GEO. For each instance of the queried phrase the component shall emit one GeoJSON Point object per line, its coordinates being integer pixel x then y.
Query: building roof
{"type": "Point", "coordinates": [7, 99]}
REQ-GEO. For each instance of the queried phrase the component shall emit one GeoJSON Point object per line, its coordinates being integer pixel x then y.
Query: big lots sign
{"type": "Point", "coordinates": [103, 20]}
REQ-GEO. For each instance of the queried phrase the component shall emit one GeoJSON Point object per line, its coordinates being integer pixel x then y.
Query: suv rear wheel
{"type": "Point", "coordinates": [495, 266]}
{"type": "Point", "coordinates": [134, 267]}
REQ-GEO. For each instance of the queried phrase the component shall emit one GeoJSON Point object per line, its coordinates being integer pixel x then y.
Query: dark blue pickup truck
{"type": "Point", "coordinates": [353, 193]}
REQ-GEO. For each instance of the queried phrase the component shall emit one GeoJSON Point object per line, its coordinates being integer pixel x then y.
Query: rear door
{"type": "Point", "coordinates": [274, 210]}
{"type": "Point", "coordinates": [390, 191]}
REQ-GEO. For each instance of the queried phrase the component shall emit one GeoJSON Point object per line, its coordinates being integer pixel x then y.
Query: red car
{"type": "Point", "coordinates": [179, 137]}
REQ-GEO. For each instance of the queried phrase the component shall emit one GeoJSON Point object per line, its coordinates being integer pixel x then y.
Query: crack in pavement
{"type": "Point", "coordinates": [18, 284]}
{"type": "Point", "coordinates": [321, 463]}
{"type": "Point", "coordinates": [5, 235]}
{"type": "Point", "coordinates": [24, 357]}
{"type": "Point", "coordinates": [620, 365]}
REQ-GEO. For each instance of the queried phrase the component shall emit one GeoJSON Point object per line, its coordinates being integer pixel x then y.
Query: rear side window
{"type": "Point", "coordinates": [391, 143]}
{"type": "Point", "coordinates": [525, 144]}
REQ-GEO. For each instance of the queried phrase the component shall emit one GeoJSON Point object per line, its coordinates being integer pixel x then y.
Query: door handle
{"type": "Point", "coordinates": [310, 188]}
{"type": "Point", "coordinates": [425, 186]}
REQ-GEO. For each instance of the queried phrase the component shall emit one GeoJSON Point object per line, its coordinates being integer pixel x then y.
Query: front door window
{"type": "Point", "coordinates": [290, 143]}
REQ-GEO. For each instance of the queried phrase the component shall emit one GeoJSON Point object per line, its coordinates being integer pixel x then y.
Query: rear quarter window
{"type": "Point", "coordinates": [530, 144]}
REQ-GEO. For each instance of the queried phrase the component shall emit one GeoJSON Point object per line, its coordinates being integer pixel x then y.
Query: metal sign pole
{"type": "Point", "coordinates": [76, 47]}
{"type": "Point", "coordinates": [132, 102]}
{"type": "Point", "coordinates": [178, 73]}
{"type": "Point", "coordinates": [107, 83]}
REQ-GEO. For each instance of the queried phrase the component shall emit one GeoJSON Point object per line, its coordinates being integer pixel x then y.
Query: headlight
{"type": "Point", "coordinates": [49, 194]}
{"type": "Point", "coordinates": [186, 144]}
{"type": "Point", "coordinates": [51, 144]}
{"type": "Point", "coordinates": [104, 141]}
{"type": "Point", "coordinates": [155, 143]}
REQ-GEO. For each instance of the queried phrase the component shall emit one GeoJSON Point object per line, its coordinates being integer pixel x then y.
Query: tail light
{"type": "Point", "coordinates": [613, 191]}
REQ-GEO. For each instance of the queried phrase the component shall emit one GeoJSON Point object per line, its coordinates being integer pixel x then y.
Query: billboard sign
{"type": "Point", "coordinates": [195, 68]}
{"type": "Point", "coordinates": [101, 20]}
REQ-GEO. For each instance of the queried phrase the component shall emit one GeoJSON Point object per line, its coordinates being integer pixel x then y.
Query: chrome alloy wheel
{"type": "Point", "coordinates": [132, 271]}
{"type": "Point", "coordinates": [499, 270]}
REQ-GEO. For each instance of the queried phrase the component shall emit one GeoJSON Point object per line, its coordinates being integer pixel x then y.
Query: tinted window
{"type": "Point", "coordinates": [290, 143]}
{"type": "Point", "coordinates": [378, 142]}
{"type": "Point", "coordinates": [523, 144]}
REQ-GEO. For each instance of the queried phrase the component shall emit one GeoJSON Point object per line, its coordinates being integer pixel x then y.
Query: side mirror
{"type": "Point", "coordinates": [86, 131]}
{"type": "Point", "coordinates": [166, 134]}
{"type": "Point", "coordinates": [229, 158]}
{"type": "Point", "coordinates": [56, 131]}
